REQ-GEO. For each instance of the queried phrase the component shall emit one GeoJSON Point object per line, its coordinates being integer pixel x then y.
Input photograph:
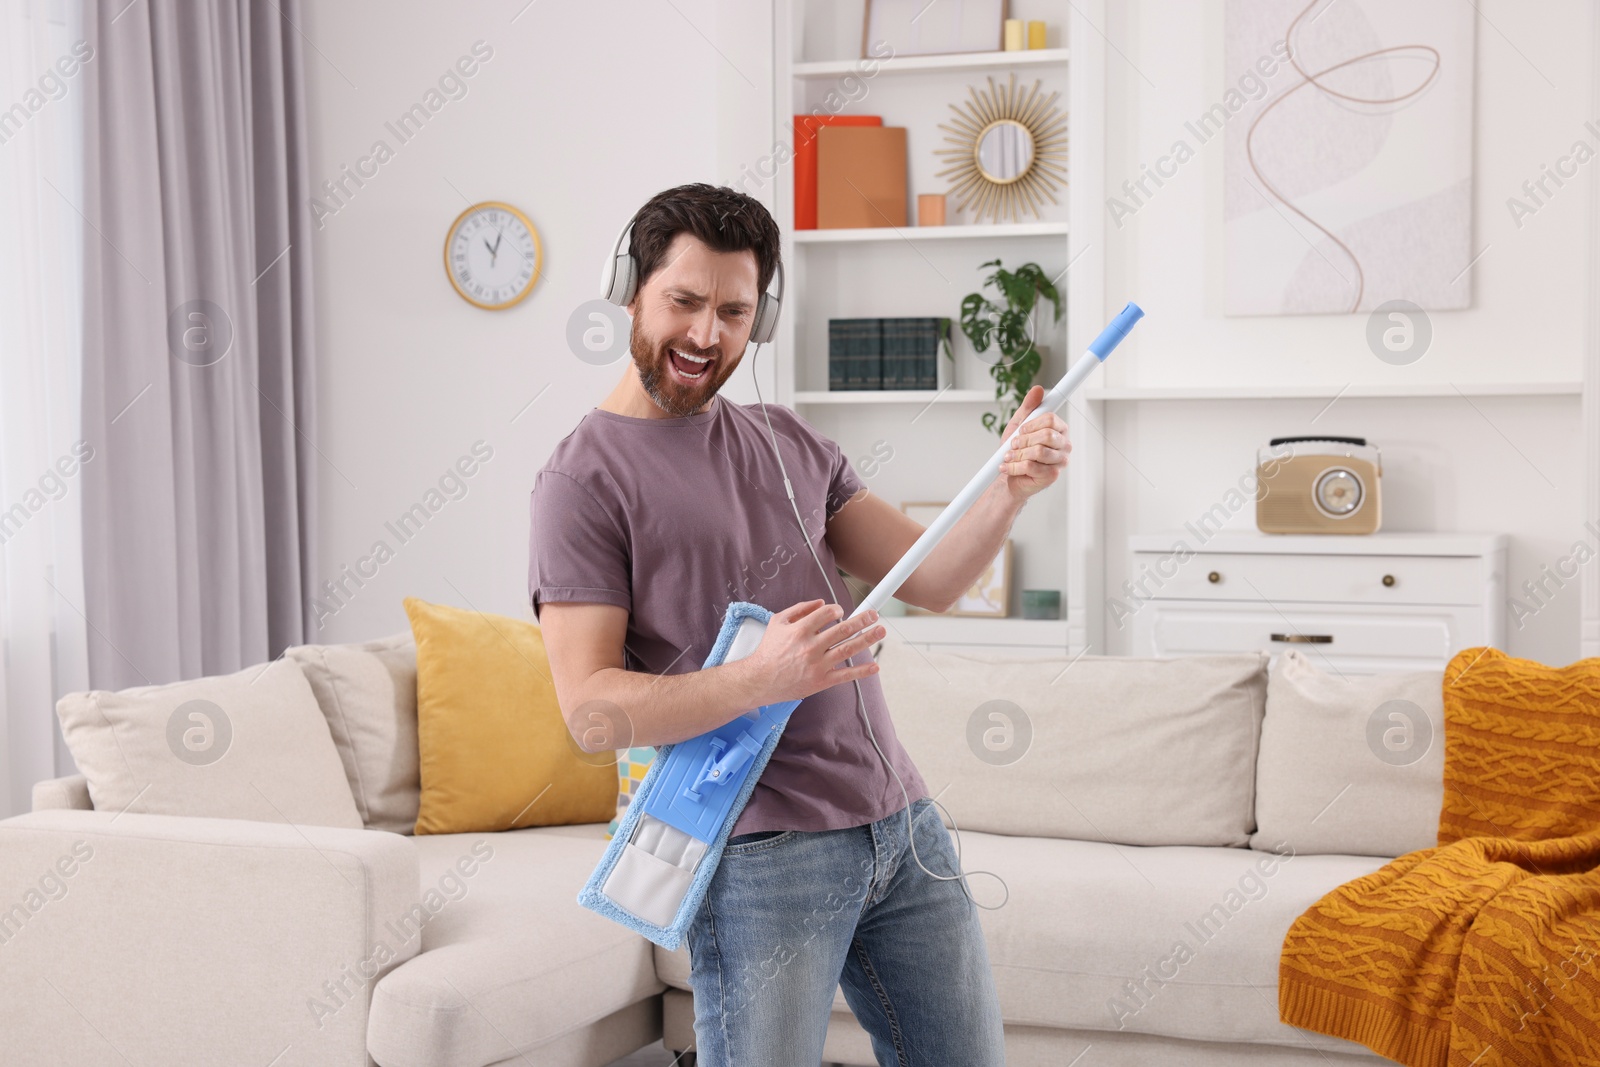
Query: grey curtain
{"type": "Point", "coordinates": [198, 398]}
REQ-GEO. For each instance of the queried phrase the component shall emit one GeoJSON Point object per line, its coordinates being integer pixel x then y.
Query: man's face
{"type": "Point", "coordinates": [698, 306]}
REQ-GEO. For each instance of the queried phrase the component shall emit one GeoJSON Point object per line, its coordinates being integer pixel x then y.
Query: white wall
{"type": "Point", "coordinates": [1529, 288]}
{"type": "Point", "coordinates": [1504, 464]}
{"type": "Point", "coordinates": [581, 113]}
{"type": "Point", "coordinates": [584, 111]}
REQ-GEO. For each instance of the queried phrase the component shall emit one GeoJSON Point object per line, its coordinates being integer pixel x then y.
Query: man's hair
{"type": "Point", "coordinates": [726, 220]}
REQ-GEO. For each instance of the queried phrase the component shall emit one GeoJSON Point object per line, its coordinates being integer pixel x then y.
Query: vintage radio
{"type": "Point", "coordinates": [1318, 485]}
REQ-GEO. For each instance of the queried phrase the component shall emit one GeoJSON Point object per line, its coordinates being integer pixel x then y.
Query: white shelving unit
{"type": "Point", "coordinates": [925, 271]}
{"type": "Point", "coordinates": [1031, 638]}
{"type": "Point", "coordinates": [988, 231]}
{"type": "Point", "coordinates": [895, 396]}
{"type": "Point", "coordinates": [964, 61]}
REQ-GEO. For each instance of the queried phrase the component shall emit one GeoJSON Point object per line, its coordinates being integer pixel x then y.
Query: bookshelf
{"type": "Point", "coordinates": [973, 232]}
{"type": "Point", "coordinates": [916, 271]}
{"type": "Point", "coordinates": [963, 61]}
{"type": "Point", "coordinates": [910, 271]}
{"type": "Point", "coordinates": [895, 396]}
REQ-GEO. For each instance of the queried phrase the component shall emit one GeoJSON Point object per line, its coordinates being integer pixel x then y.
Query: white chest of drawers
{"type": "Point", "coordinates": [1358, 605]}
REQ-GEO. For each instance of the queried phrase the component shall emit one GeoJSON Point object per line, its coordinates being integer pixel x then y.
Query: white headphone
{"type": "Point", "coordinates": [619, 283]}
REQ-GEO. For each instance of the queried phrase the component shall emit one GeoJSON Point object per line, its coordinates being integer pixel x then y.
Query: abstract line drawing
{"type": "Point", "coordinates": [1350, 183]}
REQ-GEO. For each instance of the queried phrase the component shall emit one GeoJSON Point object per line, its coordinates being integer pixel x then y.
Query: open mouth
{"type": "Point", "coordinates": [689, 368]}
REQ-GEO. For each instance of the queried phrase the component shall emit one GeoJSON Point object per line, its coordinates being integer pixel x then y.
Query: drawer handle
{"type": "Point", "coordinates": [1388, 579]}
{"type": "Point", "coordinates": [1304, 639]}
{"type": "Point", "coordinates": [1213, 577]}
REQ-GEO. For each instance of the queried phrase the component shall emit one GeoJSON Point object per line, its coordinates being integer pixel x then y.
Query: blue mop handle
{"type": "Point", "coordinates": [1101, 347]}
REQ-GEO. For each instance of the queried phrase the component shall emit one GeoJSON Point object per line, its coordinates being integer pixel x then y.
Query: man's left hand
{"type": "Point", "coordinates": [1039, 453]}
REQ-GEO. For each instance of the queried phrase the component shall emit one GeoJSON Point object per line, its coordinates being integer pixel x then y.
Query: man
{"type": "Point", "coordinates": [665, 504]}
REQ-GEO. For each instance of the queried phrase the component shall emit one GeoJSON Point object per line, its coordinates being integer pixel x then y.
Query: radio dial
{"type": "Point", "coordinates": [1338, 492]}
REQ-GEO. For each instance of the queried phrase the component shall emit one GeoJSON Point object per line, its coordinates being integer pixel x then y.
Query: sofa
{"type": "Point", "coordinates": [1158, 825]}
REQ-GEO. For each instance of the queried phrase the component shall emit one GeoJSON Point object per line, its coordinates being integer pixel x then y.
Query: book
{"type": "Point", "coordinates": [899, 354]}
{"type": "Point", "coordinates": [861, 176]}
{"type": "Point", "coordinates": [911, 352]}
{"type": "Point", "coordinates": [927, 351]}
{"type": "Point", "coordinates": [855, 354]}
{"type": "Point", "coordinates": [805, 161]}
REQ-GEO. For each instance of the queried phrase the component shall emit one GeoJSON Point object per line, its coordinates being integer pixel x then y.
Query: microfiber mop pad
{"type": "Point", "coordinates": [666, 868]}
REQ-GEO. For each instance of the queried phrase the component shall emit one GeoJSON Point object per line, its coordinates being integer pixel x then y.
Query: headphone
{"type": "Point", "coordinates": [619, 283]}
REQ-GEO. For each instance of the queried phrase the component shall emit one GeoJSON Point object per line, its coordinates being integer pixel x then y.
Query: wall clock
{"type": "Point", "coordinates": [492, 255]}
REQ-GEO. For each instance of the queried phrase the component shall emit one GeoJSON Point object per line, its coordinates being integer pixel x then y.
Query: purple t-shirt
{"type": "Point", "coordinates": [674, 519]}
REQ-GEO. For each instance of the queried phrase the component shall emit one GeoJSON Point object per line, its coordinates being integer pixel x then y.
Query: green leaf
{"type": "Point", "coordinates": [1009, 328]}
{"type": "Point", "coordinates": [1013, 333]}
{"type": "Point", "coordinates": [1019, 291]}
{"type": "Point", "coordinates": [1050, 293]}
{"type": "Point", "coordinates": [975, 320]}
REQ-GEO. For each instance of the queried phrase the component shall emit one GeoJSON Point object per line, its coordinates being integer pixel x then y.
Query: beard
{"type": "Point", "coordinates": [671, 394]}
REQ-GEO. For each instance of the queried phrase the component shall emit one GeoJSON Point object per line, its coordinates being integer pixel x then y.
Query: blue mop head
{"type": "Point", "coordinates": [671, 935]}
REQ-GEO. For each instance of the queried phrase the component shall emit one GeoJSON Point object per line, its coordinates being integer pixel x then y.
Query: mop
{"type": "Point", "coordinates": [659, 864]}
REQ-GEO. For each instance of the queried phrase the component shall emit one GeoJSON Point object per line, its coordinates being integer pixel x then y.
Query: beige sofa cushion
{"type": "Point", "coordinates": [509, 963]}
{"type": "Point", "coordinates": [248, 745]}
{"type": "Point", "coordinates": [1352, 765]}
{"type": "Point", "coordinates": [368, 693]}
{"type": "Point", "coordinates": [1098, 748]}
{"type": "Point", "coordinates": [185, 942]}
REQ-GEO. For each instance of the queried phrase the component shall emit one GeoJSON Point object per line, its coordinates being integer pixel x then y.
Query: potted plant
{"type": "Point", "coordinates": [1010, 328]}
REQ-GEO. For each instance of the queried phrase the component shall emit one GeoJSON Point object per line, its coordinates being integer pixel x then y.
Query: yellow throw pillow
{"type": "Point", "coordinates": [1522, 747]}
{"type": "Point", "coordinates": [494, 751]}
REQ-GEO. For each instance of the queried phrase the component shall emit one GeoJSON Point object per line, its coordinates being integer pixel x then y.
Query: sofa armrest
{"type": "Point", "coordinates": [70, 793]}
{"type": "Point", "coordinates": [132, 938]}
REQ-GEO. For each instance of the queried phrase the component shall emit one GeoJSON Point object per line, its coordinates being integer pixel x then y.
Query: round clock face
{"type": "Point", "coordinates": [492, 255]}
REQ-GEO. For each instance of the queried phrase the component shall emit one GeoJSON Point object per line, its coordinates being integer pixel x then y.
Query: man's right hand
{"type": "Point", "coordinates": [805, 648]}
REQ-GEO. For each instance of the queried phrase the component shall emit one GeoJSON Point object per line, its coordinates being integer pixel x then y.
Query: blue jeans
{"type": "Point", "coordinates": [791, 915]}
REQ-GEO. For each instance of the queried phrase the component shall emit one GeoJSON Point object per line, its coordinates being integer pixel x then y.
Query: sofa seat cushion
{"type": "Point", "coordinates": [509, 959]}
{"type": "Point", "coordinates": [1089, 937]}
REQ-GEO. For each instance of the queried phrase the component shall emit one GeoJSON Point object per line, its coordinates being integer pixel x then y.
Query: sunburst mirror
{"type": "Point", "coordinates": [1011, 151]}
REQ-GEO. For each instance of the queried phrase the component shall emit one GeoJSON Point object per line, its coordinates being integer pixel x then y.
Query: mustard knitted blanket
{"type": "Point", "coordinates": [1485, 950]}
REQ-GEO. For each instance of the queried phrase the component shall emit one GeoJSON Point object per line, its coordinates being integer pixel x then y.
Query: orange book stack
{"type": "Point", "coordinates": [805, 161]}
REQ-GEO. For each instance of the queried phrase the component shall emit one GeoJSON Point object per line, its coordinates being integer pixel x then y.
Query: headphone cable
{"type": "Point", "coordinates": [861, 706]}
